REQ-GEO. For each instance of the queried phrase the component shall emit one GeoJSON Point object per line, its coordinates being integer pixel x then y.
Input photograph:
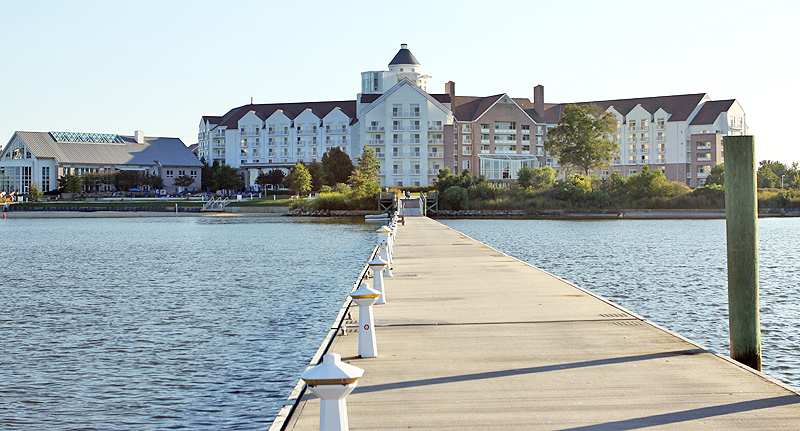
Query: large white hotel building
{"type": "Point", "coordinates": [415, 133]}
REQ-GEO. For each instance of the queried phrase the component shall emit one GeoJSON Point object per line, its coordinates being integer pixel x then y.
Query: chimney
{"type": "Point", "coordinates": [538, 100]}
{"type": "Point", "coordinates": [139, 136]}
{"type": "Point", "coordinates": [403, 46]}
{"type": "Point", "coordinates": [450, 88]}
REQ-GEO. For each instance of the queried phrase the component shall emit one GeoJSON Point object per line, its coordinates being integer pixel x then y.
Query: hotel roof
{"type": "Point", "coordinates": [73, 149]}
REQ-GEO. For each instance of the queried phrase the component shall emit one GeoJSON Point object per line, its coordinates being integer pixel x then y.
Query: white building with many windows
{"type": "Point", "coordinates": [415, 133]}
{"type": "Point", "coordinates": [43, 157]}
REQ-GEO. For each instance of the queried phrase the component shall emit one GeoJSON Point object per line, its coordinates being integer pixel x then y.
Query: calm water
{"type": "Point", "coordinates": [673, 272]}
{"type": "Point", "coordinates": [165, 323]}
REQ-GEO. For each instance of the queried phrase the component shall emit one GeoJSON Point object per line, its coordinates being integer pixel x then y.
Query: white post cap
{"type": "Point", "coordinates": [332, 371]}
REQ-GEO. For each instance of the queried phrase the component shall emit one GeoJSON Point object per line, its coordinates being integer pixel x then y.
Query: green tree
{"type": "Point", "coordinates": [525, 177]}
{"type": "Point", "coordinates": [183, 181]}
{"type": "Point", "coordinates": [648, 184]}
{"type": "Point", "coordinates": [71, 183]}
{"type": "Point", "coordinates": [365, 177]}
{"type": "Point", "coordinates": [766, 178]}
{"type": "Point", "coordinates": [207, 174]}
{"type": "Point", "coordinates": [580, 141]}
{"type": "Point", "coordinates": [227, 178]}
{"type": "Point", "coordinates": [717, 175]}
{"type": "Point", "coordinates": [777, 168]}
{"type": "Point", "coordinates": [317, 175]}
{"type": "Point", "coordinates": [154, 181]}
{"type": "Point", "coordinates": [126, 180]}
{"type": "Point", "coordinates": [299, 178]}
{"type": "Point", "coordinates": [34, 192]}
{"type": "Point", "coordinates": [337, 165]}
{"type": "Point", "coordinates": [275, 177]}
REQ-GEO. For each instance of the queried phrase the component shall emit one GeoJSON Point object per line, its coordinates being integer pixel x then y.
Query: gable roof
{"type": "Point", "coordinates": [396, 87]}
{"type": "Point", "coordinates": [680, 106]}
{"type": "Point", "coordinates": [710, 111]}
{"type": "Point", "coordinates": [154, 151]}
{"type": "Point", "coordinates": [291, 110]}
{"type": "Point", "coordinates": [468, 108]}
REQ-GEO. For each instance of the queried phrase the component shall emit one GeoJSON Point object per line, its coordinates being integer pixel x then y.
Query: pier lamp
{"type": "Point", "coordinates": [332, 381]}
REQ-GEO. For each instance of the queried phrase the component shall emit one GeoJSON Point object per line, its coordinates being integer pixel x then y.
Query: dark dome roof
{"type": "Point", "coordinates": [404, 56]}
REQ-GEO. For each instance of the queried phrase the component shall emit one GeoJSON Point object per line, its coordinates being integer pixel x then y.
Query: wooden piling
{"type": "Point", "coordinates": [741, 213]}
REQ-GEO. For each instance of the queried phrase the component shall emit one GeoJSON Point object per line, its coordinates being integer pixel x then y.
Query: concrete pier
{"type": "Point", "coordinates": [475, 340]}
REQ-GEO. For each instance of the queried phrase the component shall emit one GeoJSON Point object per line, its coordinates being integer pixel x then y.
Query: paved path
{"type": "Point", "coordinates": [471, 339]}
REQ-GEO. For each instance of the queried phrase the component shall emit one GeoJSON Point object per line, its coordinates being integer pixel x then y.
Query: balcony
{"type": "Point", "coordinates": [433, 171]}
{"type": "Point", "coordinates": [284, 143]}
{"type": "Point", "coordinates": [704, 159]}
{"type": "Point", "coordinates": [380, 155]}
{"type": "Point", "coordinates": [486, 131]}
{"type": "Point", "coordinates": [701, 175]}
{"type": "Point", "coordinates": [405, 114]}
{"type": "Point", "coordinates": [415, 155]}
{"type": "Point", "coordinates": [644, 150]}
{"type": "Point", "coordinates": [632, 139]}
{"type": "Point", "coordinates": [415, 171]}
{"type": "Point", "coordinates": [414, 128]}
{"type": "Point", "coordinates": [397, 155]}
{"type": "Point", "coordinates": [218, 145]}
{"type": "Point", "coordinates": [506, 131]}
{"type": "Point", "coordinates": [644, 162]}
{"type": "Point", "coordinates": [435, 155]}
{"type": "Point", "coordinates": [374, 128]}
{"type": "Point", "coordinates": [376, 141]}
{"type": "Point", "coordinates": [397, 128]}
{"type": "Point", "coordinates": [662, 148]}
{"type": "Point", "coordinates": [632, 150]}
{"type": "Point", "coordinates": [704, 147]}
{"type": "Point", "coordinates": [526, 131]}
{"type": "Point", "coordinates": [435, 128]}
{"type": "Point", "coordinates": [278, 132]}
{"type": "Point", "coordinates": [306, 131]}
{"type": "Point", "coordinates": [398, 172]}
{"type": "Point", "coordinates": [219, 134]}
{"type": "Point", "coordinates": [342, 130]}
{"type": "Point", "coordinates": [661, 127]}
{"type": "Point", "coordinates": [436, 141]}
{"type": "Point", "coordinates": [249, 133]}
{"type": "Point", "coordinates": [486, 142]}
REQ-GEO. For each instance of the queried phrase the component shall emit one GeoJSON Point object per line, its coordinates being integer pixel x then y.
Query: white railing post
{"type": "Point", "coordinates": [378, 265]}
{"type": "Point", "coordinates": [366, 297]}
{"type": "Point", "coordinates": [332, 381]}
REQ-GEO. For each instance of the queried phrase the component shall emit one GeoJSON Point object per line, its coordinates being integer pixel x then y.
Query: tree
{"type": "Point", "coordinates": [365, 177]}
{"type": "Point", "coordinates": [274, 177]}
{"type": "Point", "coordinates": [580, 140]}
{"type": "Point", "coordinates": [317, 175]}
{"type": "Point", "coordinates": [71, 183]}
{"type": "Point", "coordinates": [153, 181]}
{"type": "Point", "coordinates": [299, 178]}
{"type": "Point", "coordinates": [766, 178]}
{"type": "Point", "coordinates": [536, 178]}
{"type": "Point", "coordinates": [337, 166]}
{"type": "Point", "coordinates": [34, 192]}
{"type": "Point", "coordinates": [717, 175]}
{"type": "Point", "coordinates": [183, 181]}
{"type": "Point", "coordinates": [227, 178]}
{"type": "Point", "coordinates": [126, 180]}
{"type": "Point", "coordinates": [207, 174]}
{"type": "Point", "coordinates": [525, 177]}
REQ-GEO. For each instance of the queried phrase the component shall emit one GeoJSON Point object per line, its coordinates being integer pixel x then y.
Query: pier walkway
{"type": "Point", "coordinates": [472, 339]}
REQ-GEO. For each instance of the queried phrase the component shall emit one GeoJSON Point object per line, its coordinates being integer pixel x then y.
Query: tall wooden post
{"type": "Point", "coordinates": [741, 213]}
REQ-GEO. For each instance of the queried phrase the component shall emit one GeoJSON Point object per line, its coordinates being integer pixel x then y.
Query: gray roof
{"type": "Point", "coordinates": [404, 56]}
{"type": "Point", "coordinates": [291, 110]}
{"type": "Point", "coordinates": [710, 111]}
{"type": "Point", "coordinates": [154, 151]}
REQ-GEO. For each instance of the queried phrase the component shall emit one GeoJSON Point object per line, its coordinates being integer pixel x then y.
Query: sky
{"type": "Point", "coordinates": [159, 66]}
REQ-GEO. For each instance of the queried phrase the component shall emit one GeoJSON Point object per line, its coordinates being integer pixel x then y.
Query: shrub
{"type": "Point", "coordinates": [330, 201]}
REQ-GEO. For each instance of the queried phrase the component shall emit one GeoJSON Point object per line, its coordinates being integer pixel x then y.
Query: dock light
{"type": "Point", "coordinates": [384, 242]}
{"type": "Point", "coordinates": [366, 297]}
{"type": "Point", "coordinates": [378, 265]}
{"type": "Point", "coordinates": [332, 381]}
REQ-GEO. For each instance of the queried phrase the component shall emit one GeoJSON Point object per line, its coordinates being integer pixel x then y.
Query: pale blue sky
{"type": "Point", "coordinates": [158, 66]}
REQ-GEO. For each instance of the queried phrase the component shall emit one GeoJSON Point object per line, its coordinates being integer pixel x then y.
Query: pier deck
{"type": "Point", "coordinates": [472, 339]}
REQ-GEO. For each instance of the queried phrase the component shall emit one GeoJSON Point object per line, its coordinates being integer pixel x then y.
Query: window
{"type": "Point", "coordinates": [397, 110]}
{"type": "Point", "coordinates": [193, 174]}
{"type": "Point", "coordinates": [45, 178]}
{"type": "Point", "coordinates": [415, 110]}
{"type": "Point", "coordinates": [632, 125]}
{"type": "Point", "coordinates": [465, 164]}
{"type": "Point", "coordinates": [466, 128]}
{"type": "Point", "coordinates": [661, 123]}
{"type": "Point", "coordinates": [467, 151]}
{"type": "Point", "coordinates": [170, 174]}
{"type": "Point", "coordinates": [631, 171]}
{"type": "Point", "coordinates": [467, 139]}
{"type": "Point", "coordinates": [181, 173]}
